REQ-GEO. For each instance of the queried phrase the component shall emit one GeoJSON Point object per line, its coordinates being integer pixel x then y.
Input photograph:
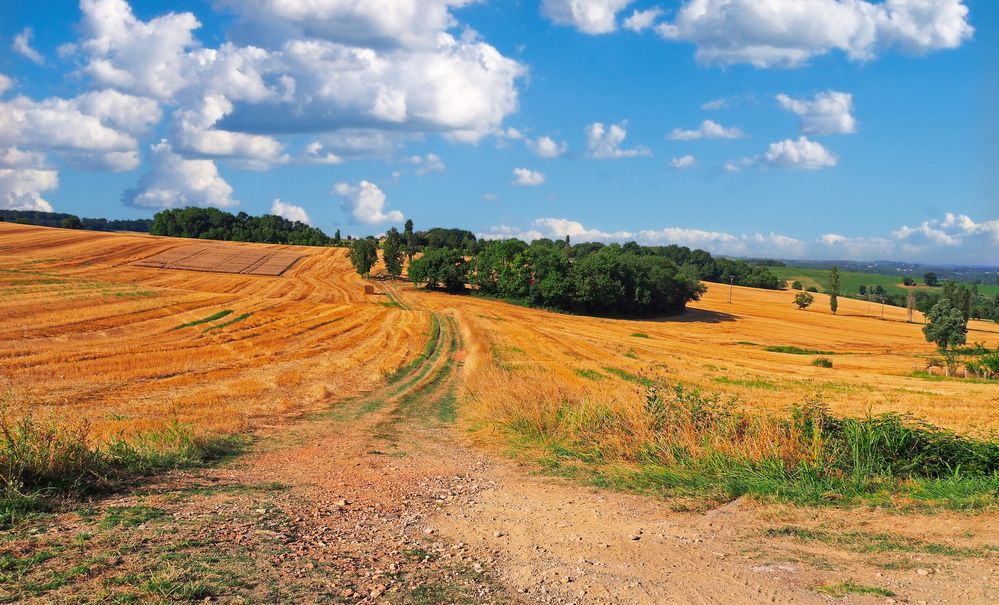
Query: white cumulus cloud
{"type": "Point", "coordinates": [176, 182]}
{"type": "Point", "coordinates": [801, 153]}
{"type": "Point", "coordinates": [546, 147]}
{"type": "Point", "coordinates": [683, 162]}
{"type": "Point", "coordinates": [290, 212]}
{"type": "Point", "coordinates": [828, 112]}
{"type": "Point", "coordinates": [640, 20]}
{"type": "Point", "coordinates": [425, 164]}
{"type": "Point", "coordinates": [588, 16]}
{"type": "Point", "coordinates": [605, 142]}
{"type": "Point", "coordinates": [787, 33]}
{"type": "Point", "coordinates": [22, 46]}
{"type": "Point", "coordinates": [707, 130]}
{"type": "Point", "coordinates": [21, 189]}
{"type": "Point", "coordinates": [527, 178]}
{"type": "Point", "coordinates": [365, 203]}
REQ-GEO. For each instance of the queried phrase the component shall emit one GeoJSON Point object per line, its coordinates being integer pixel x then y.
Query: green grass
{"type": "Point", "coordinates": [868, 542]}
{"type": "Point", "coordinates": [629, 377]}
{"type": "Point", "coordinates": [205, 320]}
{"type": "Point", "coordinates": [129, 516]}
{"type": "Point", "coordinates": [822, 362]}
{"type": "Point", "coordinates": [850, 281]}
{"type": "Point", "coordinates": [639, 335]}
{"type": "Point", "coordinates": [710, 449]}
{"type": "Point", "coordinates": [848, 587]}
{"type": "Point", "coordinates": [590, 374]}
{"type": "Point", "coordinates": [791, 350]}
{"type": "Point", "coordinates": [750, 383]}
{"type": "Point", "coordinates": [226, 324]}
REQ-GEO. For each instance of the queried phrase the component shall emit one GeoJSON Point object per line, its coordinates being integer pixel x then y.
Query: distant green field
{"type": "Point", "coordinates": [850, 281]}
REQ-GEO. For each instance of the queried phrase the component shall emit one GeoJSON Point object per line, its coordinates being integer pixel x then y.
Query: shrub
{"type": "Point", "coordinates": [822, 362]}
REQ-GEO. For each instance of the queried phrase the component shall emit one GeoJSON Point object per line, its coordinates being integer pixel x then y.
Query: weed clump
{"type": "Point", "coordinates": [822, 362]}
{"type": "Point", "coordinates": [41, 459]}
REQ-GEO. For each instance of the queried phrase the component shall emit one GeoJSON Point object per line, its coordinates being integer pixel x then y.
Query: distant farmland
{"type": "Point", "coordinates": [850, 281]}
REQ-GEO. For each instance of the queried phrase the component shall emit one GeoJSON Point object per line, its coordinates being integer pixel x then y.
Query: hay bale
{"type": "Point", "coordinates": [369, 289]}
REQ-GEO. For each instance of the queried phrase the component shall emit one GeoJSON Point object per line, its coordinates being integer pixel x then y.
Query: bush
{"type": "Point", "coordinates": [822, 362]}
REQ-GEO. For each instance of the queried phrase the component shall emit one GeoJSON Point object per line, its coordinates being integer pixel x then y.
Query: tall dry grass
{"type": "Point", "coordinates": [676, 440]}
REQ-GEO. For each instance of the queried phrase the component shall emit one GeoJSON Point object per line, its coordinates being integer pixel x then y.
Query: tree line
{"type": "Point", "coordinates": [72, 221]}
{"type": "Point", "coordinates": [212, 223]}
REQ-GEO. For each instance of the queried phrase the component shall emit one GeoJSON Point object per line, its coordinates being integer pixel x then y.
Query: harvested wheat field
{"type": "Point", "coordinates": [91, 330]}
{"type": "Point", "coordinates": [380, 459]}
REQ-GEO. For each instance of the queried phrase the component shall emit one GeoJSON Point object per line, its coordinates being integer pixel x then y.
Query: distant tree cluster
{"type": "Point", "coordinates": [212, 223]}
{"type": "Point", "coordinates": [609, 279]}
{"type": "Point", "coordinates": [696, 262]}
{"type": "Point", "coordinates": [71, 221]}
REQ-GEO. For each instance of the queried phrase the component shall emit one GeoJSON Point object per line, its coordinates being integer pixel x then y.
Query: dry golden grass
{"type": "Point", "coordinates": [87, 334]}
{"type": "Point", "coordinates": [523, 359]}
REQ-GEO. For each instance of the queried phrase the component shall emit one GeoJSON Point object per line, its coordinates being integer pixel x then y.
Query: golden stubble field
{"type": "Point", "coordinates": [88, 333]}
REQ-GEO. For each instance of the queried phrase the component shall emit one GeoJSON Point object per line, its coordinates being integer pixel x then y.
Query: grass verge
{"type": "Point", "coordinates": [226, 324]}
{"type": "Point", "coordinates": [42, 460]}
{"type": "Point", "coordinates": [677, 441]}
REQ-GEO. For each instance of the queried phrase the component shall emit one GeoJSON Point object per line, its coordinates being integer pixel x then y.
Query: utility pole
{"type": "Point", "coordinates": [882, 307]}
{"type": "Point", "coordinates": [731, 286]}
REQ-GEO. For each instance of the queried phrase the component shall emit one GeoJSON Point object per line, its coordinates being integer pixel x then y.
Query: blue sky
{"type": "Point", "coordinates": [822, 129]}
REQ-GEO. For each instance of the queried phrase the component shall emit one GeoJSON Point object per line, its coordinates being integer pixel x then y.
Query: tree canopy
{"type": "Point", "coordinates": [212, 223]}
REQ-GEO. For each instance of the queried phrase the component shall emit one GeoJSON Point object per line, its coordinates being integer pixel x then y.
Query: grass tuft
{"type": "Point", "coordinates": [639, 335]}
{"type": "Point", "coordinates": [848, 587]}
{"type": "Point", "coordinates": [822, 362]}
{"type": "Point", "coordinates": [226, 324]}
{"type": "Point", "coordinates": [791, 350]}
{"type": "Point", "coordinates": [204, 320]}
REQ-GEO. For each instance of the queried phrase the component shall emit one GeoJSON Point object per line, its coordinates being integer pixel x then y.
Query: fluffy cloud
{"type": "Point", "coordinates": [640, 20]}
{"type": "Point", "coordinates": [527, 178]}
{"type": "Point", "coordinates": [21, 189]}
{"type": "Point", "coordinates": [954, 238]}
{"type": "Point", "coordinates": [787, 33]}
{"type": "Point", "coordinates": [707, 130]}
{"type": "Point", "coordinates": [800, 153]}
{"type": "Point", "coordinates": [425, 164]}
{"type": "Point", "coordinates": [683, 162]}
{"type": "Point", "coordinates": [22, 46]}
{"type": "Point", "coordinates": [175, 182]}
{"type": "Point", "coordinates": [828, 112]}
{"type": "Point", "coordinates": [96, 130]}
{"type": "Point", "coordinates": [146, 58]}
{"type": "Point", "coordinates": [605, 142]}
{"type": "Point", "coordinates": [547, 147]}
{"type": "Point", "coordinates": [5, 84]}
{"type": "Point", "coordinates": [194, 134]}
{"type": "Point", "coordinates": [319, 66]}
{"type": "Point", "coordinates": [365, 203]}
{"type": "Point", "coordinates": [290, 212]}
{"type": "Point", "coordinates": [408, 23]}
{"type": "Point", "coordinates": [716, 104]}
{"type": "Point", "coordinates": [588, 16]}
